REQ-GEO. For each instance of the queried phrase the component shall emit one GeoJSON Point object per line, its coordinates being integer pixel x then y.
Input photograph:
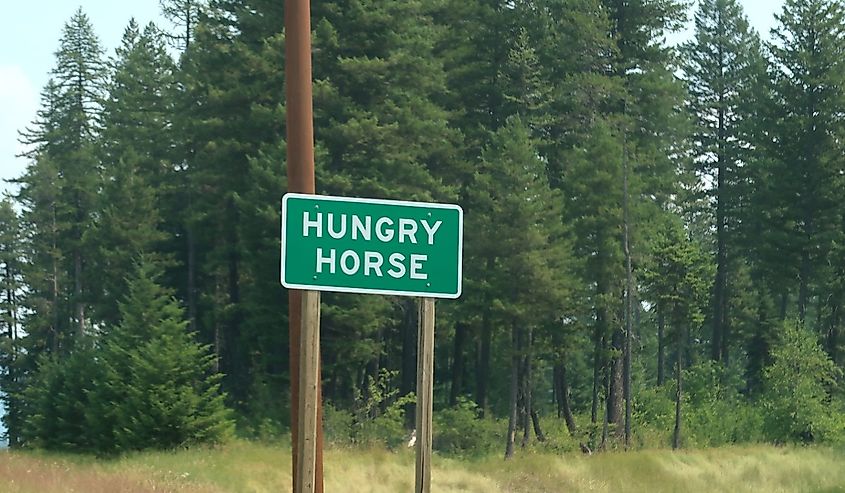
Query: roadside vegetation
{"type": "Point", "coordinates": [245, 467]}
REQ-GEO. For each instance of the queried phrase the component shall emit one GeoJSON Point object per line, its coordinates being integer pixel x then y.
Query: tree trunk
{"type": "Point", "coordinates": [833, 333]}
{"type": "Point", "coordinates": [563, 392]}
{"type": "Point", "coordinates": [54, 330]}
{"type": "Point", "coordinates": [676, 435]}
{"type": "Point", "coordinates": [629, 290]}
{"type": "Point", "coordinates": [719, 315]}
{"type": "Point", "coordinates": [77, 294]}
{"type": "Point", "coordinates": [661, 347]}
{"type": "Point", "coordinates": [784, 299]}
{"type": "Point", "coordinates": [192, 283]}
{"type": "Point", "coordinates": [535, 420]}
{"type": "Point", "coordinates": [237, 367]}
{"type": "Point", "coordinates": [458, 363]}
{"type": "Point", "coordinates": [188, 24]}
{"type": "Point", "coordinates": [599, 383]}
{"type": "Point", "coordinates": [512, 414]}
{"type": "Point", "coordinates": [833, 341]}
{"type": "Point", "coordinates": [409, 358]}
{"type": "Point", "coordinates": [803, 286]}
{"type": "Point", "coordinates": [12, 334]}
{"type": "Point", "coordinates": [605, 429]}
{"type": "Point", "coordinates": [726, 331]}
{"type": "Point", "coordinates": [482, 373]}
{"type": "Point", "coordinates": [219, 342]}
{"type": "Point", "coordinates": [615, 399]}
{"type": "Point", "coordinates": [597, 367]}
{"type": "Point", "coordinates": [600, 344]}
{"type": "Point", "coordinates": [525, 348]}
{"type": "Point", "coordinates": [556, 397]}
{"type": "Point", "coordinates": [482, 368]}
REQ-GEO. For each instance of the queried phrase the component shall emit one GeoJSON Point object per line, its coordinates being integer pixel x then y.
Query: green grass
{"type": "Point", "coordinates": [256, 468]}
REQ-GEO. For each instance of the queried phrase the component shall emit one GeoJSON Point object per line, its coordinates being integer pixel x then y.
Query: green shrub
{"type": "Point", "coordinates": [653, 416]}
{"type": "Point", "coordinates": [377, 417]}
{"type": "Point", "coordinates": [264, 415]}
{"type": "Point", "coordinates": [459, 431]}
{"type": "Point", "coordinates": [797, 391]}
{"type": "Point", "coordinates": [148, 384]}
{"type": "Point", "coordinates": [387, 428]}
{"type": "Point", "coordinates": [715, 413]}
{"type": "Point", "coordinates": [337, 425]}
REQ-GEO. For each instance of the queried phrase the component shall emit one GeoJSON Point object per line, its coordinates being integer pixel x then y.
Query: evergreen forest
{"type": "Point", "coordinates": [654, 244]}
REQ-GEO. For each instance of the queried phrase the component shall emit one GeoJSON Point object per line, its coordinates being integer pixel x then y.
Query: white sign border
{"type": "Point", "coordinates": [387, 292]}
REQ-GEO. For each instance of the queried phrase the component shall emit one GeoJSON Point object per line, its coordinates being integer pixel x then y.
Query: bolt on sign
{"type": "Point", "coordinates": [371, 246]}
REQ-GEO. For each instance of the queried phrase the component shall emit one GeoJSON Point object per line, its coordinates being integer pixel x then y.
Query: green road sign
{"type": "Point", "coordinates": [372, 246]}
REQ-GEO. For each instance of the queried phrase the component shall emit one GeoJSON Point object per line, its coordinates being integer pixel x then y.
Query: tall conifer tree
{"type": "Point", "coordinates": [801, 199]}
{"type": "Point", "coordinates": [719, 67]}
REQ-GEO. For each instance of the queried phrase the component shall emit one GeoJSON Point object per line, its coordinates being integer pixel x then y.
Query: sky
{"type": "Point", "coordinates": [28, 41]}
{"type": "Point", "coordinates": [31, 33]}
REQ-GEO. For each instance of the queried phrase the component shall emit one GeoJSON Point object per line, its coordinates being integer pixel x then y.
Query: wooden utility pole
{"type": "Point", "coordinates": [300, 174]}
{"type": "Point", "coordinates": [425, 394]}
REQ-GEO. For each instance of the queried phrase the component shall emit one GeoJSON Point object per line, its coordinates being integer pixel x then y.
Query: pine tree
{"type": "Point", "coordinates": [224, 119]}
{"type": "Point", "coordinates": [654, 133]}
{"type": "Point", "coordinates": [56, 400]}
{"type": "Point", "coordinates": [477, 38]}
{"type": "Point", "coordinates": [65, 135]}
{"type": "Point", "coordinates": [47, 328]}
{"type": "Point", "coordinates": [678, 277]}
{"type": "Point", "coordinates": [515, 226]}
{"type": "Point", "coordinates": [596, 219]}
{"type": "Point", "coordinates": [137, 150]}
{"type": "Point", "coordinates": [154, 386]}
{"type": "Point", "coordinates": [383, 133]}
{"type": "Point", "coordinates": [719, 67]}
{"type": "Point", "coordinates": [184, 15]}
{"type": "Point", "coordinates": [802, 205]}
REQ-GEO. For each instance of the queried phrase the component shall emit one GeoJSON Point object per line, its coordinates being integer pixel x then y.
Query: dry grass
{"type": "Point", "coordinates": [254, 468]}
{"type": "Point", "coordinates": [26, 474]}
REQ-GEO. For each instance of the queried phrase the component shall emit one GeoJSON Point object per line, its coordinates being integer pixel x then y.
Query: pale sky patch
{"type": "Point", "coordinates": [18, 105]}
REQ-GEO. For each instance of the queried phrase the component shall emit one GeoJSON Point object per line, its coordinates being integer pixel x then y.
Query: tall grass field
{"type": "Point", "coordinates": [256, 468]}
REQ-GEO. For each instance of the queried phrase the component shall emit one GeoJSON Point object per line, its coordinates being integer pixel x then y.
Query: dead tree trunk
{"type": "Point", "coordinates": [512, 414]}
